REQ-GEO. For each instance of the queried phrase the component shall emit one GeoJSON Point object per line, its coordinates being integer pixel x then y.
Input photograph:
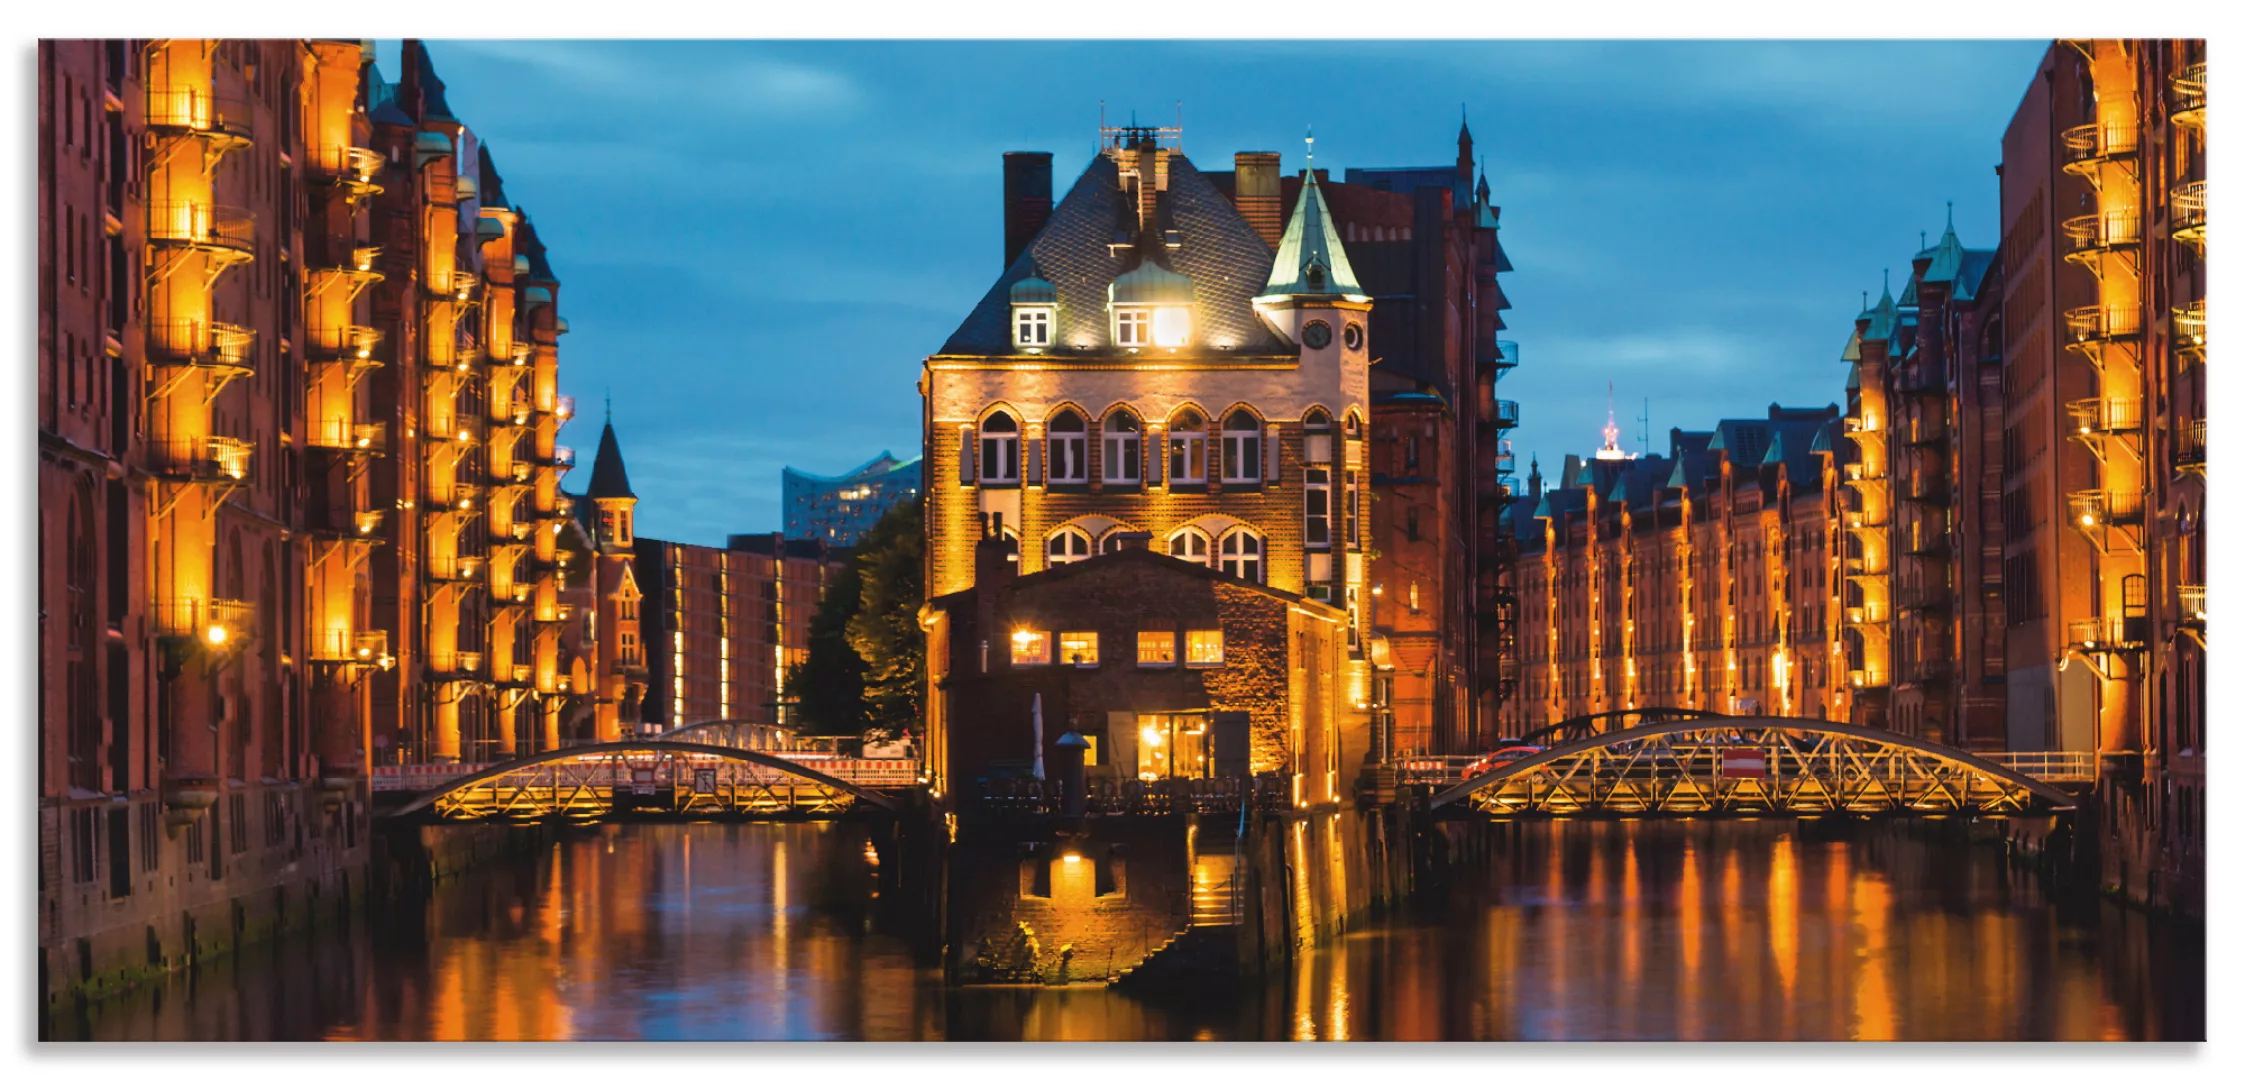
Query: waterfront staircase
{"type": "Point", "coordinates": [1207, 949]}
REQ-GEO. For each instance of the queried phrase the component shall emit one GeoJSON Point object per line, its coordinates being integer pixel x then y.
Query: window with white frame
{"type": "Point", "coordinates": [1112, 540]}
{"type": "Point", "coordinates": [1118, 450]}
{"type": "Point", "coordinates": [1001, 449]}
{"type": "Point", "coordinates": [1064, 445]}
{"type": "Point", "coordinates": [1349, 518]}
{"type": "Point", "coordinates": [1132, 326]}
{"type": "Point", "coordinates": [1065, 546]}
{"type": "Point", "coordinates": [1190, 545]}
{"type": "Point", "coordinates": [1241, 555]}
{"type": "Point", "coordinates": [1243, 448]}
{"type": "Point", "coordinates": [1032, 327]}
{"type": "Point", "coordinates": [1317, 508]}
{"type": "Point", "coordinates": [1188, 448]}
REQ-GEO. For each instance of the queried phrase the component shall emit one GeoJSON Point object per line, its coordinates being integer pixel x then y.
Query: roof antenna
{"type": "Point", "coordinates": [1952, 215]}
{"type": "Point", "coordinates": [1309, 140]}
{"type": "Point", "coordinates": [608, 406]}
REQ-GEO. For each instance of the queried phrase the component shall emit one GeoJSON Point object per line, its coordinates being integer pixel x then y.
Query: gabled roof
{"type": "Point", "coordinates": [1972, 269]}
{"type": "Point", "coordinates": [433, 105]}
{"type": "Point", "coordinates": [1947, 254]}
{"type": "Point", "coordinates": [490, 189]}
{"type": "Point", "coordinates": [1311, 260]}
{"type": "Point", "coordinates": [608, 478]}
{"type": "Point", "coordinates": [530, 247]}
{"type": "Point", "coordinates": [1222, 254]}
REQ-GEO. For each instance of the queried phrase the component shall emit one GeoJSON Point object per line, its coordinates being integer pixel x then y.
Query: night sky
{"type": "Point", "coordinates": [759, 242]}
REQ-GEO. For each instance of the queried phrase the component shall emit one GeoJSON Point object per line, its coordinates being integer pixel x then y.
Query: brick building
{"type": "Point", "coordinates": [2104, 413]}
{"type": "Point", "coordinates": [1703, 579]}
{"type": "Point", "coordinates": [1168, 668]}
{"type": "Point", "coordinates": [724, 624]}
{"type": "Point", "coordinates": [252, 254]}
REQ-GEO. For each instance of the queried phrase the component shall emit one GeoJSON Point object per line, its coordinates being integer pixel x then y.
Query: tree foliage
{"type": "Point", "coordinates": [828, 684]}
{"type": "Point", "coordinates": [885, 630]}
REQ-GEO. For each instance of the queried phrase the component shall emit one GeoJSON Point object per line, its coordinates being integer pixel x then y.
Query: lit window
{"type": "Point", "coordinates": [1032, 647]}
{"type": "Point", "coordinates": [1243, 448]}
{"type": "Point", "coordinates": [1156, 648]}
{"type": "Point", "coordinates": [1079, 647]}
{"type": "Point", "coordinates": [1130, 327]}
{"type": "Point", "coordinates": [1032, 326]}
{"type": "Point", "coordinates": [1190, 545]}
{"type": "Point", "coordinates": [1317, 508]}
{"type": "Point", "coordinates": [1064, 444]}
{"type": "Point", "coordinates": [1172, 745]}
{"type": "Point", "coordinates": [1067, 546]}
{"type": "Point", "coordinates": [1172, 326]}
{"type": "Point", "coordinates": [1242, 555]}
{"type": "Point", "coordinates": [1204, 648]}
{"type": "Point", "coordinates": [1001, 450]}
{"type": "Point", "coordinates": [1118, 451]}
{"type": "Point", "coordinates": [1188, 449]}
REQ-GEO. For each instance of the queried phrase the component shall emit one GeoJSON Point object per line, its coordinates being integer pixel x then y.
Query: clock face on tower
{"type": "Point", "coordinates": [1352, 336]}
{"type": "Point", "coordinates": [1317, 335]}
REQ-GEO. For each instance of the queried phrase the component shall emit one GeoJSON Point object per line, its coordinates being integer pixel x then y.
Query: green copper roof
{"type": "Point", "coordinates": [1947, 255]}
{"type": "Point", "coordinates": [1882, 316]}
{"type": "Point", "coordinates": [1311, 260]}
{"type": "Point", "coordinates": [1150, 283]}
{"type": "Point", "coordinates": [1033, 290]}
{"type": "Point", "coordinates": [1854, 350]}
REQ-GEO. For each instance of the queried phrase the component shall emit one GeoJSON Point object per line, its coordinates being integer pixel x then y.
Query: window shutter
{"type": "Point", "coordinates": [1270, 455]}
{"type": "Point", "coordinates": [967, 449]}
{"type": "Point", "coordinates": [1034, 472]}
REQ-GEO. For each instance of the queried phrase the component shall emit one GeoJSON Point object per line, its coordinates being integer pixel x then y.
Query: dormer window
{"type": "Point", "coordinates": [1131, 327]}
{"type": "Point", "coordinates": [1032, 327]}
{"type": "Point", "coordinates": [1173, 326]}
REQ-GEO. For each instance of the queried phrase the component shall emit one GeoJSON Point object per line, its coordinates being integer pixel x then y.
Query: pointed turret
{"type": "Point", "coordinates": [611, 495]}
{"type": "Point", "coordinates": [1881, 316]}
{"type": "Point", "coordinates": [1311, 260]}
{"type": "Point", "coordinates": [1947, 256]}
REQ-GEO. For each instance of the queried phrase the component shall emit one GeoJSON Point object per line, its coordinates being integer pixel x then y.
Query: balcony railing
{"type": "Point", "coordinates": [2104, 415]}
{"type": "Point", "coordinates": [514, 674]}
{"type": "Point", "coordinates": [553, 613]}
{"type": "Point", "coordinates": [200, 458]}
{"type": "Point", "coordinates": [519, 470]}
{"type": "Point", "coordinates": [2095, 142]}
{"type": "Point", "coordinates": [343, 436]}
{"type": "Point", "coordinates": [563, 458]}
{"type": "Point", "coordinates": [211, 621]}
{"type": "Point", "coordinates": [201, 225]}
{"type": "Point", "coordinates": [1508, 354]}
{"type": "Point", "coordinates": [515, 595]}
{"type": "Point", "coordinates": [564, 406]}
{"type": "Point", "coordinates": [198, 111]}
{"type": "Point", "coordinates": [2192, 600]}
{"type": "Point", "coordinates": [2092, 509]}
{"type": "Point", "coordinates": [2187, 90]}
{"type": "Point", "coordinates": [351, 163]}
{"type": "Point", "coordinates": [518, 415]}
{"type": "Point", "coordinates": [518, 354]}
{"type": "Point", "coordinates": [2186, 211]}
{"type": "Point", "coordinates": [2190, 323]}
{"type": "Point", "coordinates": [2098, 322]}
{"type": "Point", "coordinates": [200, 343]}
{"type": "Point", "coordinates": [349, 343]}
{"type": "Point", "coordinates": [2105, 231]}
{"type": "Point", "coordinates": [1507, 413]}
{"type": "Point", "coordinates": [455, 664]}
{"type": "Point", "coordinates": [465, 497]}
{"type": "Point", "coordinates": [2106, 633]}
{"type": "Point", "coordinates": [2190, 445]}
{"type": "Point", "coordinates": [352, 647]}
{"type": "Point", "coordinates": [455, 567]}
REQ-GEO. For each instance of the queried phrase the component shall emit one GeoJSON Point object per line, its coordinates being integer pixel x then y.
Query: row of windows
{"type": "Point", "coordinates": [1237, 449]}
{"type": "Point", "coordinates": [1156, 648]}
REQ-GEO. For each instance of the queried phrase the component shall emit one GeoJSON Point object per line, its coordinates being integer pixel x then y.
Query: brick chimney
{"type": "Point", "coordinates": [997, 561]}
{"type": "Point", "coordinates": [1028, 198]}
{"type": "Point", "coordinates": [1255, 192]}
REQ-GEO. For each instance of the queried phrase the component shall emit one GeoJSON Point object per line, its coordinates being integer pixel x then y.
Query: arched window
{"type": "Point", "coordinates": [1190, 545]}
{"type": "Point", "coordinates": [1188, 448]}
{"type": "Point", "coordinates": [1067, 545]}
{"type": "Point", "coordinates": [1001, 449]}
{"type": "Point", "coordinates": [1065, 446]}
{"type": "Point", "coordinates": [1118, 449]}
{"type": "Point", "coordinates": [1242, 555]}
{"type": "Point", "coordinates": [1112, 540]}
{"type": "Point", "coordinates": [1243, 448]}
{"type": "Point", "coordinates": [1317, 436]}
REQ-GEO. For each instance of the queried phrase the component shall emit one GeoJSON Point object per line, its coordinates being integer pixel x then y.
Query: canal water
{"type": "Point", "coordinates": [1563, 930]}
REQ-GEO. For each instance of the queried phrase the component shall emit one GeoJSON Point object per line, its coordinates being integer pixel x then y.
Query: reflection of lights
{"type": "Point", "coordinates": [1071, 858]}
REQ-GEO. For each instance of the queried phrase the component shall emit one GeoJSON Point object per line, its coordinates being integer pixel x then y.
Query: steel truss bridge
{"type": "Point", "coordinates": [1679, 763]}
{"type": "Point", "coordinates": [681, 777]}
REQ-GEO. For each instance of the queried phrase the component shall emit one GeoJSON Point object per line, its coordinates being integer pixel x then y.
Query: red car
{"type": "Point", "coordinates": [1499, 759]}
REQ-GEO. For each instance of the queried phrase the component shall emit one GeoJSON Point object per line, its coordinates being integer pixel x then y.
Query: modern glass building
{"type": "Point", "coordinates": [839, 509]}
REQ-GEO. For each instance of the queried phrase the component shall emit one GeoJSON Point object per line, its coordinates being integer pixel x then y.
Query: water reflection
{"type": "Point", "coordinates": [1580, 930]}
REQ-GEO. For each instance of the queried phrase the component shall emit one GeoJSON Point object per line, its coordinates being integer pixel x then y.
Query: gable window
{"type": "Point", "coordinates": [1242, 555]}
{"type": "Point", "coordinates": [1243, 448]}
{"type": "Point", "coordinates": [1190, 545]}
{"type": "Point", "coordinates": [1204, 648]}
{"type": "Point", "coordinates": [1065, 445]}
{"type": "Point", "coordinates": [1132, 326]}
{"type": "Point", "coordinates": [1066, 546]}
{"type": "Point", "coordinates": [1032, 647]}
{"type": "Point", "coordinates": [1032, 327]}
{"type": "Point", "coordinates": [1119, 449]}
{"type": "Point", "coordinates": [1188, 449]}
{"type": "Point", "coordinates": [1001, 450]}
{"type": "Point", "coordinates": [1317, 508]}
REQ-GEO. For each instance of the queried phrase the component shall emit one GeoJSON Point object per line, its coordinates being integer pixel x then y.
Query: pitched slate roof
{"type": "Point", "coordinates": [490, 189]}
{"type": "Point", "coordinates": [608, 478]}
{"type": "Point", "coordinates": [1972, 269]}
{"type": "Point", "coordinates": [1226, 259]}
{"type": "Point", "coordinates": [433, 106]}
{"type": "Point", "coordinates": [530, 247]}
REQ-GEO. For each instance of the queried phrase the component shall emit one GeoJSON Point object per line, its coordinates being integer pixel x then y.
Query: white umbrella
{"type": "Point", "coordinates": [1037, 723]}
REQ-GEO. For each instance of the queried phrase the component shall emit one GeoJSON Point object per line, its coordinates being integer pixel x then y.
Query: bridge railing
{"type": "Point", "coordinates": [2050, 766]}
{"type": "Point", "coordinates": [864, 772]}
{"type": "Point", "coordinates": [1438, 769]}
{"type": "Point", "coordinates": [1171, 796]}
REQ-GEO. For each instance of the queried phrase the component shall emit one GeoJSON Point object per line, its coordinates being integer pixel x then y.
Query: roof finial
{"type": "Point", "coordinates": [1612, 431]}
{"type": "Point", "coordinates": [1309, 142]}
{"type": "Point", "coordinates": [1952, 215]}
{"type": "Point", "coordinates": [608, 406]}
{"type": "Point", "coordinates": [1921, 239]}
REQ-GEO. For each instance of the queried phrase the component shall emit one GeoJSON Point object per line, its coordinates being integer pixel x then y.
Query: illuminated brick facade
{"type": "Point", "coordinates": [724, 624]}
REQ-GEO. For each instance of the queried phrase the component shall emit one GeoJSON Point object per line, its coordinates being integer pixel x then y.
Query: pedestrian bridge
{"type": "Point", "coordinates": [679, 777]}
{"type": "Point", "coordinates": [1673, 762]}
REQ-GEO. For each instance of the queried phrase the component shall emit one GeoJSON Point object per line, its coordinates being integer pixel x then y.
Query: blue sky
{"type": "Point", "coordinates": [759, 241]}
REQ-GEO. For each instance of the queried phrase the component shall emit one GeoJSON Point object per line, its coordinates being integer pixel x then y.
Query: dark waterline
{"type": "Point", "coordinates": [1579, 930]}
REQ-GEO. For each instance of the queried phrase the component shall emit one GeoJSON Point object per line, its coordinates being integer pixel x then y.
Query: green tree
{"type": "Point", "coordinates": [885, 630]}
{"type": "Point", "coordinates": [828, 684]}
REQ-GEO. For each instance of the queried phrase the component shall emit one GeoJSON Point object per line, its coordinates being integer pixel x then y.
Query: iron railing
{"type": "Point", "coordinates": [2093, 142]}
{"type": "Point", "coordinates": [2190, 445]}
{"type": "Point", "coordinates": [2106, 633]}
{"type": "Point", "coordinates": [2186, 206]}
{"type": "Point", "coordinates": [2190, 322]}
{"type": "Point", "coordinates": [351, 646]}
{"type": "Point", "coordinates": [196, 618]}
{"type": "Point", "coordinates": [1508, 354]}
{"type": "Point", "coordinates": [201, 225]}
{"type": "Point", "coordinates": [1169, 796]}
{"type": "Point", "coordinates": [200, 111]}
{"type": "Point", "coordinates": [456, 664]}
{"type": "Point", "coordinates": [2102, 415]}
{"type": "Point", "coordinates": [2099, 232]}
{"type": "Point", "coordinates": [342, 342]}
{"type": "Point", "coordinates": [1506, 413]}
{"type": "Point", "coordinates": [2187, 91]}
{"type": "Point", "coordinates": [343, 436]}
{"type": "Point", "coordinates": [2098, 322]}
{"type": "Point", "coordinates": [2192, 600]}
{"type": "Point", "coordinates": [2101, 507]}
{"type": "Point", "coordinates": [206, 458]}
{"type": "Point", "coordinates": [201, 343]}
